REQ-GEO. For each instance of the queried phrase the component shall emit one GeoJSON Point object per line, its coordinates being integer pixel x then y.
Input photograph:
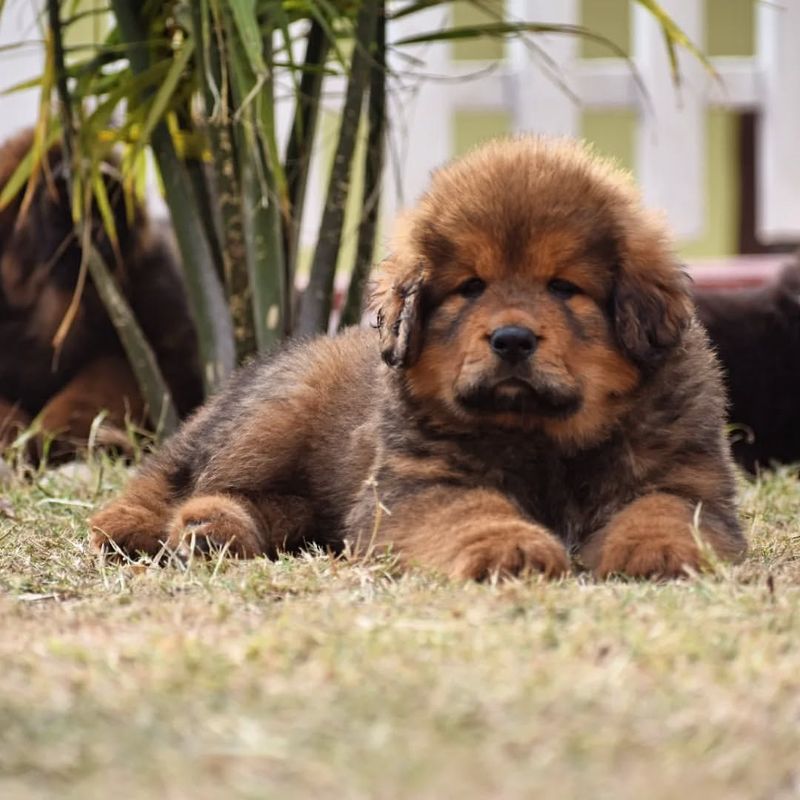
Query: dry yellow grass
{"type": "Point", "coordinates": [313, 678]}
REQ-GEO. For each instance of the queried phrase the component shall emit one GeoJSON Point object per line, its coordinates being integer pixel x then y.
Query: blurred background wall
{"type": "Point", "coordinates": [719, 156]}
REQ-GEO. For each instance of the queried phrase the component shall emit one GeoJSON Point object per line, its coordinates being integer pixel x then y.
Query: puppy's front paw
{"type": "Point", "coordinates": [519, 550]}
{"type": "Point", "coordinates": [212, 522]}
{"type": "Point", "coordinates": [125, 529]}
{"type": "Point", "coordinates": [647, 548]}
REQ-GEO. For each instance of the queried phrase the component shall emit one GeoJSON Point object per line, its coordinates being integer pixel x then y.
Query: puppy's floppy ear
{"type": "Point", "coordinates": [651, 305]}
{"type": "Point", "coordinates": [396, 298]}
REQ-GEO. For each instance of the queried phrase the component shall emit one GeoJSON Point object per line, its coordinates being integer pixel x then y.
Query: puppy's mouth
{"type": "Point", "coordinates": [519, 396]}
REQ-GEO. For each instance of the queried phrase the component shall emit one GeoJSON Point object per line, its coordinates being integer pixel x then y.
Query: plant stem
{"type": "Point", "coordinates": [260, 204]}
{"type": "Point", "coordinates": [207, 299]}
{"type": "Point", "coordinates": [373, 170]}
{"type": "Point", "coordinates": [301, 136]}
{"type": "Point", "coordinates": [137, 349]}
{"type": "Point", "coordinates": [316, 303]}
{"type": "Point", "coordinates": [224, 189]}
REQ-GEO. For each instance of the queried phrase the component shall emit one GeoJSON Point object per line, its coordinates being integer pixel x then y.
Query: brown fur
{"type": "Point", "coordinates": [13, 421]}
{"type": "Point", "coordinates": [606, 442]}
{"type": "Point", "coordinates": [65, 388]}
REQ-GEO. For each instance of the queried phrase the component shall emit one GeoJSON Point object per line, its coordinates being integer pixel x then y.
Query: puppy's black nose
{"type": "Point", "coordinates": [513, 343]}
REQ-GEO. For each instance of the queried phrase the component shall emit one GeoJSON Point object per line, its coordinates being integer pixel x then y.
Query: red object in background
{"type": "Point", "coordinates": [737, 272]}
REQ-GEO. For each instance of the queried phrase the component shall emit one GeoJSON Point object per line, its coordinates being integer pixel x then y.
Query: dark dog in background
{"type": "Point", "coordinates": [756, 333]}
{"type": "Point", "coordinates": [65, 388]}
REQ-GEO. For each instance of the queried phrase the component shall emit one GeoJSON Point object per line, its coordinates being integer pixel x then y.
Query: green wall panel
{"type": "Point", "coordinates": [729, 26]}
{"type": "Point", "coordinates": [471, 13]}
{"type": "Point", "coordinates": [608, 18]}
{"type": "Point", "coordinates": [473, 127]}
{"type": "Point", "coordinates": [613, 134]}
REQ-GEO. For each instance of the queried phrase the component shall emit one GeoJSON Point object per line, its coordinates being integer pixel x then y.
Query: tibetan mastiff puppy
{"type": "Point", "coordinates": [537, 388]}
{"type": "Point", "coordinates": [65, 385]}
{"type": "Point", "coordinates": [756, 333]}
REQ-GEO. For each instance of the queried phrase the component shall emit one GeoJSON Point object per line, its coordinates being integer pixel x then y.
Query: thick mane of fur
{"type": "Point", "coordinates": [529, 183]}
{"type": "Point", "coordinates": [544, 392]}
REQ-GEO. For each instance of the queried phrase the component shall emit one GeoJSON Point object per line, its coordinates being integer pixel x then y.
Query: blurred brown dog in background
{"type": "Point", "coordinates": [538, 387]}
{"type": "Point", "coordinates": [65, 388]}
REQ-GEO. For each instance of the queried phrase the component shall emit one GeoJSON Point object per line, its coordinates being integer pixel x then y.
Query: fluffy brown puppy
{"type": "Point", "coordinates": [39, 273]}
{"type": "Point", "coordinates": [756, 334]}
{"type": "Point", "coordinates": [545, 390]}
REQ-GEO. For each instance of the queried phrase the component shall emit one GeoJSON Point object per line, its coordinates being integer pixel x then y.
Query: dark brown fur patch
{"type": "Point", "coordinates": [756, 334]}
{"type": "Point", "coordinates": [606, 437]}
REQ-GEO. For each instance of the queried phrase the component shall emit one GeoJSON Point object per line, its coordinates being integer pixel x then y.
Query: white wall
{"type": "Point", "coordinates": [21, 58]}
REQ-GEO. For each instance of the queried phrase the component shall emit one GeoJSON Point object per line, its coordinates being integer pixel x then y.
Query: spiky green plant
{"type": "Point", "coordinates": [195, 83]}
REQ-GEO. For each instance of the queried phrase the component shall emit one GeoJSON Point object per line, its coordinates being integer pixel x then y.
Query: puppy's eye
{"type": "Point", "coordinates": [564, 289]}
{"type": "Point", "coordinates": [472, 288]}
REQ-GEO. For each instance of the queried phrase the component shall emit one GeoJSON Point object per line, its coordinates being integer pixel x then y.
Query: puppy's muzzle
{"type": "Point", "coordinates": [513, 343]}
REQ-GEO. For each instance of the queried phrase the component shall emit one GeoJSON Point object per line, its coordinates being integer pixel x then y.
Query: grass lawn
{"type": "Point", "coordinates": [314, 678]}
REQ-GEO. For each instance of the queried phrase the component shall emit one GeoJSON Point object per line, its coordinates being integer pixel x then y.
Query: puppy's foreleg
{"type": "Point", "coordinates": [136, 522]}
{"type": "Point", "coordinates": [660, 535]}
{"type": "Point", "coordinates": [463, 533]}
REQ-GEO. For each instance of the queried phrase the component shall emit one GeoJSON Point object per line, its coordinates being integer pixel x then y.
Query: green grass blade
{"type": "Point", "coordinates": [30, 83]}
{"type": "Point", "coordinates": [207, 299]}
{"type": "Point", "coordinates": [243, 13]}
{"type": "Point", "coordinates": [160, 102]}
{"type": "Point", "coordinates": [26, 168]}
{"type": "Point", "coordinates": [674, 37]}
{"type": "Point", "coordinates": [104, 207]}
{"type": "Point", "coordinates": [373, 172]}
{"type": "Point", "coordinates": [316, 303]}
{"type": "Point", "coordinates": [262, 227]}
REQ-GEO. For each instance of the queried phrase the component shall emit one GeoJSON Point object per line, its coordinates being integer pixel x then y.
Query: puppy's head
{"type": "Point", "coordinates": [530, 289]}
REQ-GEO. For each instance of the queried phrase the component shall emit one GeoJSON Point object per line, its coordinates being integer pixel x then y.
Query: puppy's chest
{"type": "Point", "coordinates": [570, 496]}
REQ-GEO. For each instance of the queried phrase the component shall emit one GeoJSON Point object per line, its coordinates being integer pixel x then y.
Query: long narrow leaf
{"type": "Point", "coordinates": [261, 214]}
{"type": "Point", "coordinates": [130, 90]}
{"type": "Point", "coordinates": [373, 171]}
{"type": "Point", "coordinates": [316, 303]}
{"type": "Point", "coordinates": [140, 355]}
{"type": "Point", "coordinates": [413, 8]}
{"type": "Point", "coordinates": [138, 351]}
{"type": "Point", "coordinates": [104, 207]}
{"type": "Point", "coordinates": [297, 160]}
{"type": "Point", "coordinates": [675, 36]}
{"type": "Point", "coordinates": [244, 16]}
{"type": "Point", "coordinates": [212, 318]}
{"type": "Point", "coordinates": [506, 30]}
{"type": "Point", "coordinates": [161, 100]}
{"type": "Point", "coordinates": [25, 169]}
{"type": "Point", "coordinates": [22, 86]}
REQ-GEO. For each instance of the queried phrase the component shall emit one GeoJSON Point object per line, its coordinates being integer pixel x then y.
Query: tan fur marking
{"type": "Point", "coordinates": [137, 521]}
{"type": "Point", "coordinates": [470, 535]}
{"type": "Point", "coordinates": [653, 538]}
